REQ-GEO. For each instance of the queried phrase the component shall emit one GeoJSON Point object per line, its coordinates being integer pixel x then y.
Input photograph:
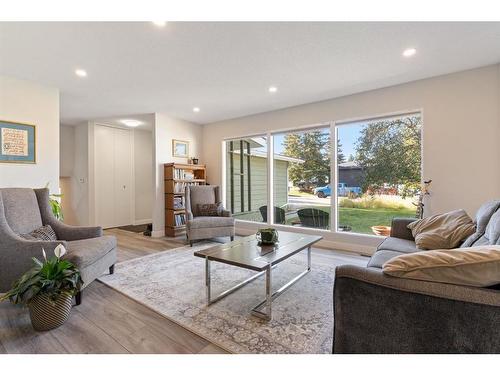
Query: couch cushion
{"type": "Point", "coordinates": [398, 244]}
{"type": "Point", "coordinates": [381, 256]}
{"type": "Point", "coordinates": [85, 252]}
{"type": "Point", "coordinates": [210, 222]}
{"type": "Point", "coordinates": [483, 216]}
{"type": "Point", "coordinates": [21, 209]}
{"type": "Point", "coordinates": [443, 231]}
{"type": "Point", "coordinates": [471, 266]}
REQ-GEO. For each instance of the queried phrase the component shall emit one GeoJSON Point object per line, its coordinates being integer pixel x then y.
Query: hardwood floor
{"type": "Point", "coordinates": [109, 322]}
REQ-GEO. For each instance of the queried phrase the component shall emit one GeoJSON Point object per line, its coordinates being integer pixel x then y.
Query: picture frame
{"type": "Point", "coordinates": [180, 149]}
{"type": "Point", "coordinates": [17, 142]}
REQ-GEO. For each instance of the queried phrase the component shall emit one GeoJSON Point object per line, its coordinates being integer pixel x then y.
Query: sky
{"type": "Point", "coordinates": [348, 134]}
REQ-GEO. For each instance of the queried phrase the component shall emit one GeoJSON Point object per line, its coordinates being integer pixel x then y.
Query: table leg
{"type": "Point", "coordinates": [309, 258]}
{"type": "Point", "coordinates": [207, 279]}
{"type": "Point", "coordinates": [269, 293]}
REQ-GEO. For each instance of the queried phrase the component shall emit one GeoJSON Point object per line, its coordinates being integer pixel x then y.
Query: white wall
{"type": "Point", "coordinates": [167, 128]}
{"type": "Point", "coordinates": [30, 103]}
{"type": "Point", "coordinates": [461, 133]}
{"type": "Point", "coordinates": [143, 168]}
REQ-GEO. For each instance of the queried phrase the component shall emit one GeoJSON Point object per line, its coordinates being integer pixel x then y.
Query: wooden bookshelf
{"type": "Point", "coordinates": [177, 177]}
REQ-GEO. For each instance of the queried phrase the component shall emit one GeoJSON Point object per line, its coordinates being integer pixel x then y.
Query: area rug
{"type": "Point", "coordinates": [172, 284]}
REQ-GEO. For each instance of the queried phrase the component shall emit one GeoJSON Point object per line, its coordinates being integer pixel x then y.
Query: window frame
{"type": "Point", "coordinates": [333, 125]}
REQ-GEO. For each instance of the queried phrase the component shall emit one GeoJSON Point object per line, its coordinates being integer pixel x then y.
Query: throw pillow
{"type": "Point", "coordinates": [210, 209]}
{"type": "Point", "coordinates": [45, 233]}
{"type": "Point", "coordinates": [444, 231]}
{"type": "Point", "coordinates": [472, 266]}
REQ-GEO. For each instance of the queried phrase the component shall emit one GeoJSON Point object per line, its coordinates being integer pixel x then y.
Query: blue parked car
{"type": "Point", "coordinates": [343, 190]}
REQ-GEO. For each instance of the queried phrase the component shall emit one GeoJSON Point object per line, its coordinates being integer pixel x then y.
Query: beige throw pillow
{"type": "Point", "coordinates": [471, 266]}
{"type": "Point", "coordinates": [444, 231]}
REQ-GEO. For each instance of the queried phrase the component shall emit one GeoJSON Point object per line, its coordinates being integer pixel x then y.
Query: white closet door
{"type": "Point", "coordinates": [113, 176]}
{"type": "Point", "coordinates": [104, 170]}
{"type": "Point", "coordinates": [123, 177]}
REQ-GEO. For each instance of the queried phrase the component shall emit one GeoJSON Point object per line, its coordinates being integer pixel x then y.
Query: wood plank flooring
{"type": "Point", "coordinates": [109, 322]}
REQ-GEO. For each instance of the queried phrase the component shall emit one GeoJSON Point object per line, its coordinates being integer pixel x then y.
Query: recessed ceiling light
{"type": "Point", "coordinates": [272, 89]}
{"type": "Point", "coordinates": [160, 23]}
{"type": "Point", "coordinates": [409, 52]}
{"type": "Point", "coordinates": [81, 73]}
{"type": "Point", "coordinates": [131, 123]}
{"type": "Point", "coordinates": [196, 109]}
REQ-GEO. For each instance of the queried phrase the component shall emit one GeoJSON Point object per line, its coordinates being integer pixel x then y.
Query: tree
{"type": "Point", "coordinates": [340, 154]}
{"type": "Point", "coordinates": [389, 151]}
{"type": "Point", "coordinates": [314, 149]}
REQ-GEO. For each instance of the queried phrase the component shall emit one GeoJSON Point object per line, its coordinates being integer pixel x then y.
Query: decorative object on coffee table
{"type": "Point", "coordinates": [47, 289]}
{"type": "Point", "coordinates": [267, 236]}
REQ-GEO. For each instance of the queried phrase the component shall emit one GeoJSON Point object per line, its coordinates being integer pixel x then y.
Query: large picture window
{"type": "Point", "coordinates": [301, 167]}
{"type": "Point", "coordinates": [246, 178]}
{"type": "Point", "coordinates": [377, 175]}
{"type": "Point", "coordinates": [378, 172]}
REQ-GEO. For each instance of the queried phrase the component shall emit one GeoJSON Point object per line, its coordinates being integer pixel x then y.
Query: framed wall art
{"type": "Point", "coordinates": [180, 149]}
{"type": "Point", "coordinates": [17, 142]}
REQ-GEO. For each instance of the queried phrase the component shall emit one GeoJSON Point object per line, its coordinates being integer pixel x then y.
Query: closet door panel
{"type": "Point", "coordinates": [104, 176]}
{"type": "Point", "coordinates": [123, 177]}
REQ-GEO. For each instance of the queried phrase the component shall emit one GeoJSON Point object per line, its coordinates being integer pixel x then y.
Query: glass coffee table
{"type": "Point", "coordinates": [247, 253]}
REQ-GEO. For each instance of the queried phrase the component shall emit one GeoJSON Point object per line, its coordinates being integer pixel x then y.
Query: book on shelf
{"type": "Point", "coordinates": [179, 187]}
{"type": "Point", "coordinates": [181, 174]}
{"type": "Point", "coordinates": [178, 203]}
{"type": "Point", "coordinates": [180, 219]}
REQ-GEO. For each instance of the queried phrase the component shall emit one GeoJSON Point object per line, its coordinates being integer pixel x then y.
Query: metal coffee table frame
{"type": "Point", "coordinates": [264, 309]}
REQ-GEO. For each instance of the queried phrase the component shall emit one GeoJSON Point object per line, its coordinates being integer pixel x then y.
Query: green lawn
{"type": "Point", "coordinates": [359, 219]}
{"type": "Point", "coordinates": [362, 219]}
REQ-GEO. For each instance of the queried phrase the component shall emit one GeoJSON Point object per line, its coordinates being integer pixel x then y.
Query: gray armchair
{"type": "Point", "coordinates": [202, 227]}
{"type": "Point", "coordinates": [23, 210]}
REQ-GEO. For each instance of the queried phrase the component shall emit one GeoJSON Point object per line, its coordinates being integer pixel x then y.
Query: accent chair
{"type": "Point", "coordinates": [200, 227]}
{"type": "Point", "coordinates": [23, 210]}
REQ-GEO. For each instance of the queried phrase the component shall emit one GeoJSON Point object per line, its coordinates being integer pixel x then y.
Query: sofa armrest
{"type": "Point", "coordinates": [189, 215]}
{"type": "Point", "coordinates": [225, 213]}
{"type": "Point", "coordinates": [399, 228]}
{"type": "Point", "coordinates": [376, 313]}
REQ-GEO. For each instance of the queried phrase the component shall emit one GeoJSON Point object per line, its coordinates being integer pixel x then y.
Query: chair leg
{"type": "Point", "coordinates": [191, 243]}
{"type": "Point", "coordinates": [232, 238]}
{"type": "Point", "coordinates": [78, 298]}
{"type": "Point", "coordinates": [112, 269]}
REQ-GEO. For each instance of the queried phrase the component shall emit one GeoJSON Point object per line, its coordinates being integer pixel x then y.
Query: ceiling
{"type": "Point", "coordinates": [225, 69]}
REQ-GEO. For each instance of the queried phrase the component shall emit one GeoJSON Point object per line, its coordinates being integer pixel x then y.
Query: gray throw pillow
{"type": "Point", "coordinates": [45, 233]}
{"type": "Point", "coordinates": [210, 209]}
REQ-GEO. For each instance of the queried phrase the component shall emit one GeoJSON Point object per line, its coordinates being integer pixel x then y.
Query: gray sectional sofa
{"type": "Point", "coordinates": [376, 313]}
{"type": "Point", "coordinates": [23, 210]}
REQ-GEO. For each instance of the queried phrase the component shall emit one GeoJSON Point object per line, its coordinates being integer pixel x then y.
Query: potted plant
{"type": "Point", "coordinates": [47, 289]}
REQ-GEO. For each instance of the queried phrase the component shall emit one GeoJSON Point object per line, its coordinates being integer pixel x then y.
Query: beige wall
{"type": "Point", "coordinates": [30, 103]}
{"type": "Point", "coordinates": [143, 175]}
{"type": "Point", "coordinates": [167, 128]}
{"type": "Point", "coordinates": [460, 136]}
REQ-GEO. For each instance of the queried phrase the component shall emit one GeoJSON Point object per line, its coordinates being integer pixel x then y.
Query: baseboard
{"type": "Point", "coordinates": [143, 221]}
{"type": "Point", "coordinates": [158, 233]}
